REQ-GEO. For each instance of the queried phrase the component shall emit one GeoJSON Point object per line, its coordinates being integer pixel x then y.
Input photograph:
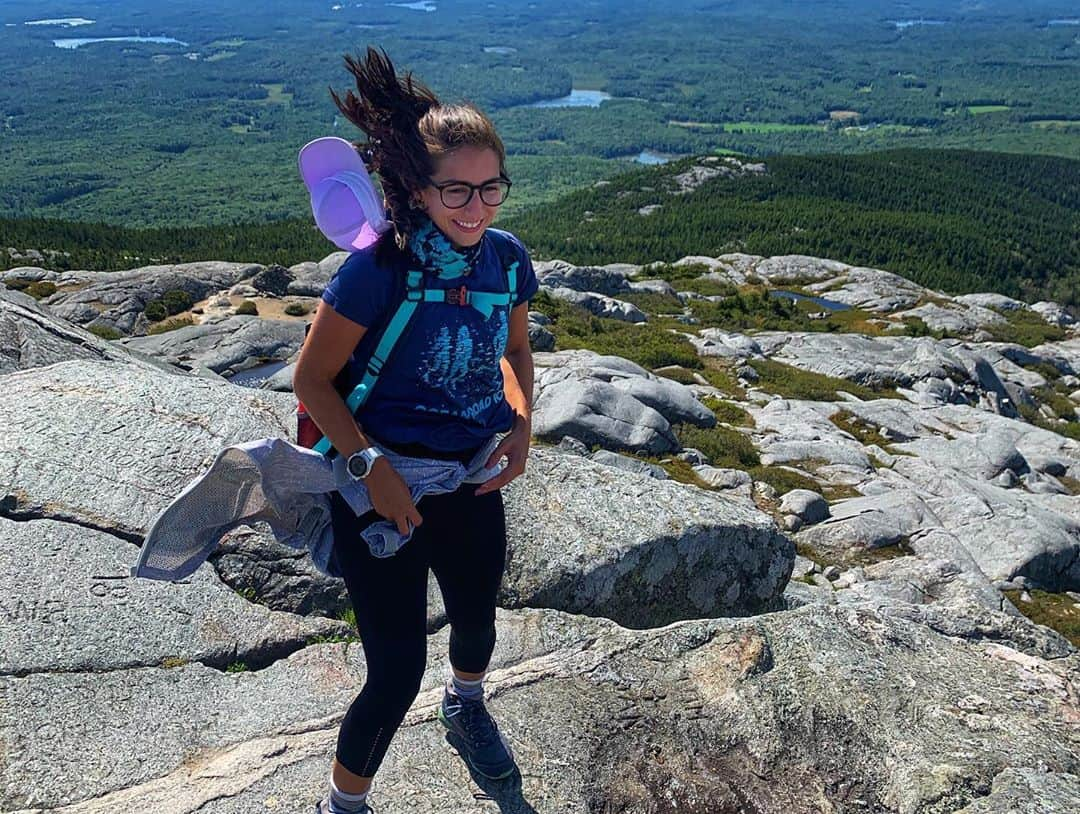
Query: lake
{"type": "Point", "coordinates": [577, 98]}
{"type": "Point", "coordinates": [649, 157]}
{"type": "Point", "coordinates": [909, 23]}
{"type": "Point", "coordinates": [423, 5]}
{"type": "Point", "coordinates": [500, 49]}
{"type": "Point", "coordinates": [72, 43]}
{"type": "Point", "coordinates": [1075, 21]}
{"type": "Point", "coordinates": [66, 22]}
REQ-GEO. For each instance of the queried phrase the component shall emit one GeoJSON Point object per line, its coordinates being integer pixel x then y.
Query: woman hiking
{"type": "Point", "coordinates": [459, 375]}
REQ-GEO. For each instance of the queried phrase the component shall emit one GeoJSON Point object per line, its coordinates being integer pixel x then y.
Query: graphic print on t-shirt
{"type": "Point", "coordinates": [463, 363]}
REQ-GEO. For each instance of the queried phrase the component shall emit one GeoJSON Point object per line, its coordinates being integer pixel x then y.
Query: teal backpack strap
{"type": "Point", "coordinates": [414, 295]}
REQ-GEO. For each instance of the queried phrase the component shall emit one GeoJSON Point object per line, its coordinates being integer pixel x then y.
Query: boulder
{"type": "Point", "coordinates": [629, 464]}
{"type": "Point", "coordinates": [672, 400]}
{"type": "Point", "coordinates": [600, 305]}
{"type": "Point", "coordinates": [233, 344]}
{"type": "Point", "coordinates": [71, 606]}
{"type": "Point", "coordinates": [117, 299]}
{"type": "Point", "coordinates": [596, 412]}
{"type": "Point", "coordinates": [556, 274]}
{"type": "Point", "coordinates": [111, 445]}
{"type": "Point", "coordinates": [808, 506]}
{"type": "Point", "coordinates": [273, 280]}
{"type": "Point", "coordinates": [32, 336]}
{"type": "Point", "coordinates": [636, 550]}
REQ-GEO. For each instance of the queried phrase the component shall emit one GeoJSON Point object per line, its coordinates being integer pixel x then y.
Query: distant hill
{"type": "Point", "coordinates": [953, 220]}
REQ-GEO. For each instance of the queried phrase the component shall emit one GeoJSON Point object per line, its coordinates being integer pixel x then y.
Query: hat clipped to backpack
{"type": "Point", "coordinates": [346, 206]}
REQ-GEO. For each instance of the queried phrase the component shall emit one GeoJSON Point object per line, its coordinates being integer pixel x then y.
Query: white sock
{"type": "Point", "coordinates": [344, 803]}
{"type": "Point", "coordinates": [472, 690]}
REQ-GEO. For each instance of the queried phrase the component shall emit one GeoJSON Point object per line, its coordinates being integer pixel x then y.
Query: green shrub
{"type": "Point", "coordinates": [677, 374]}
{"type": "Point", "coordinates": [1027, 328]}
{"type": "Point", "coordinates": [728, 412]}
{"type": "Point", "coordinates": [1056, 611]}
{"type": "Point", "coordinates": [793, 383]}
{"type": "Point", "coordinates": [155, 311]}
{"type": "Point", "coordinates": [105, 331]}
{"type": "Point", "coordinates": [17, 283]}
{"type": "Point", "coordinates": [863, 431]}
{"type": "Point", "coordinates": [41, 289]}
{"type": "Point", "coordinates": [673, 273]}
{"type": "Point", "coordinates": [648, 345]}
{"type": "Point", "coordinates": [723, 446]}
{"type": "Point", "coordinates": [237, 667]}
{"type": "Point", "coordinates": [653, 303]}
{"type": "Point", "coordinates": [248, 308]}
{"type": "Point", "coordinates": [296, 309]}
{"type": "Point", "coordinates": [170, 325]}
{"type": "Point", "coordinates": [176, 300]}
{"type": "Point", "coordinates": [782, 479]}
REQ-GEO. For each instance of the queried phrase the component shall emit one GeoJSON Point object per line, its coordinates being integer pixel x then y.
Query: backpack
{"type": "Point", "coordinates": [411, 294]}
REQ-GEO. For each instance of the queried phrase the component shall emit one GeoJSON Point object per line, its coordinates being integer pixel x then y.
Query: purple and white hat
{"type": "Point", "coordinates": [346, 206]}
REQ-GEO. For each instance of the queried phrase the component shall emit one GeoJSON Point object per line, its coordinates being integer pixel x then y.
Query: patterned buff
{"type": "Point", "coordinates": [437, 255]}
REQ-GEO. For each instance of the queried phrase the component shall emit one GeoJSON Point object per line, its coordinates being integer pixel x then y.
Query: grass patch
{"type": "Point", "coordinates": [105, 332]}
{"type": "Point", "coordinates": [653, 303]}
{"type": "Point", "coordinates": [677, 374]}
{"type": "Point", "coordinates": [237, 667]}
{"type": "Point", "coordinates": [793, 383]}
{"type": "Point", "coordinates": [170, 325]}
{"type": "Point", "coordinates": [648, 345]}
{"type": "Point", "coordinates": [672, 273]}
{"type": "Point", "coordinates": [728, 412]}
{"type": "Point", "coordinates": [865, 432]}
{"type": "Point", "coordinates": [978, 110]}
{"type": "Point", "coordinates": [720, 375]}
{"type": "Point", "coordinates": [1026, 328]}
{"type": "Point", "coordinates": [724, 447]}
{"type": "Point", "coordinates": [783, 479]}
{"type": "Point", "coordinates": [1056, 611]}
{"type": "Point", "coordinates": [332, 639]}
{"type": "Point", "coordinates": [171, 662]}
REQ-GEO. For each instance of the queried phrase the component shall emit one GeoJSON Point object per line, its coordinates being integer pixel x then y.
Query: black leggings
{"type": "Point", "coordinates": [463, 540]}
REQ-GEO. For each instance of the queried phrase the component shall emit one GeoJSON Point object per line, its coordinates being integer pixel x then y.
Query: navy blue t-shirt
{"type": "Point", "coordinates": [442, 387]}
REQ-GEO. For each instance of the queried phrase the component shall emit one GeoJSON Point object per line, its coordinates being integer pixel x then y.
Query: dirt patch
{"type": "Point", "coordinates": [268, 307]}
{"type": "Point", "coordinates": [843, 115]}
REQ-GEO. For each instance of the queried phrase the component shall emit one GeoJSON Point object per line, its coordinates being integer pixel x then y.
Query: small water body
{"type": "Point", "coordinates": [832, 305]}
{"type": "Point", "coordinates": [254, 377]}
{"type": "Point", "coordinates": [422, 5]}
{"type": "Point", "coordinates": [577, 98]}
{"type": "Point", "coordinates": [649, 157]}
{"type": "Point", "coordinates": [909, 23]}
{"type": "Point", "coordinates": [72, 43]}
{"type": "Point", "coordinates": [66, 22]}
{"type": "Point", "coordinates": [1070, 21]}
{"type": "Point", "coordinates": [500, 49]}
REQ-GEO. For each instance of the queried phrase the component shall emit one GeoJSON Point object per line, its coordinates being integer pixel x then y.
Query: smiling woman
{"type": "Point", "coordinates": [429, 324]}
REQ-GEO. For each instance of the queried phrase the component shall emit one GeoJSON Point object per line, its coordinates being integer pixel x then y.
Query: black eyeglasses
{"type": "Point", "coordinates": [456, 194]}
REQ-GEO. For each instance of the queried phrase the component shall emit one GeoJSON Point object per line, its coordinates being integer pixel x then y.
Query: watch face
{"type": "Point", "coordinates": [357, 465]}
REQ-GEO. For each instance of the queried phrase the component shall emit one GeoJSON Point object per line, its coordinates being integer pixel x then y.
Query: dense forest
{"type": "Point", "coordinates": [957, 221]}
{"type": "Point", "coordinates": [204, 129]}
{"type": "Point", "coordinates": [953, 220]}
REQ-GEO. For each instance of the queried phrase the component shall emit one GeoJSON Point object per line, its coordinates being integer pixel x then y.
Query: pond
{"type": "Point", "coordinates": [66, 22]}
{"type": "Point", "coordinates": [832, 305]}
{"type": "Point", "coordinates": [909, 23]}
{"type": "Point", "coordinates": [577, 98]}
{"type": "Point", "coordinates": [256, 376]}
{"type": "Point", "coordinates": [423, 5]}
{"type": "Point", "coordinates": [73, 42]}
{"type": "Point", "coordinates": [649, 157]}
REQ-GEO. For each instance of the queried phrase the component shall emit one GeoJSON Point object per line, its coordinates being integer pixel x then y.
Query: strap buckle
{"type": "Point", "coordinates": [457, 296]}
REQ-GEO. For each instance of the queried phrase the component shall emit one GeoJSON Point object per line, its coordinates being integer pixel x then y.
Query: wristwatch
{"type": "Point", "coordinates": [359, 463]}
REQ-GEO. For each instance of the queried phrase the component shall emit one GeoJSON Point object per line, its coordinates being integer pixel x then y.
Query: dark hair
{"type": "Point", "coordinates": [409, 130]}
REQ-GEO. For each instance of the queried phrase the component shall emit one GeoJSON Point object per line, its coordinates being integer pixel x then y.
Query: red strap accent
{"type": "Point", "coordinates": [457, 296]}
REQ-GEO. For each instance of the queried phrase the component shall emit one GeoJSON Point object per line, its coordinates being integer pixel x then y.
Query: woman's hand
{"type": "Point", "coordinates": [515, 446]}
{"type": "Point", "coordinates": [390, 496]}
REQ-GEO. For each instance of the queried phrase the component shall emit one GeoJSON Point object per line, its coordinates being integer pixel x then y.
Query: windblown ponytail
{"type": "Point", "coordinates": [408, 130]}
{"type": "Point", "coordinates": [388, 109]}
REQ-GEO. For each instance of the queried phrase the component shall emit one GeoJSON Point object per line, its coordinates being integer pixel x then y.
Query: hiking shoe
{"type": "Point", "coordinates": [482, 744]}
{"type": "Point", "coordinates": [323, 807]}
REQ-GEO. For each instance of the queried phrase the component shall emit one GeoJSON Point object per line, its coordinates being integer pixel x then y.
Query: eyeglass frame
{"type": "Point", "coordinates": [473, 190]}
